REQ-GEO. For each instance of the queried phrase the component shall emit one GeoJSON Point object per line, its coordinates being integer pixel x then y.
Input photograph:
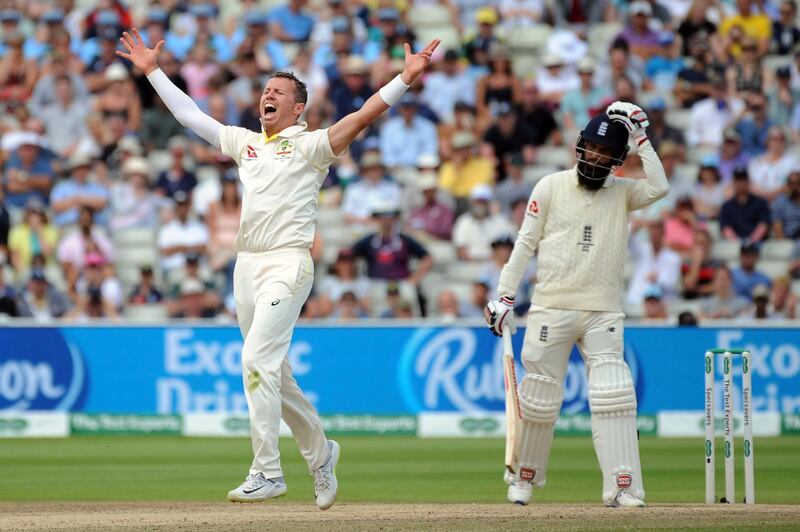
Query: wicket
{"type": "Point", "coordinates": [728, 426]}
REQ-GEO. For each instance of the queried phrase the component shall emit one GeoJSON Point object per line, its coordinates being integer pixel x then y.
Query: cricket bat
{"type": "Point", "coordinates": [512, 401]}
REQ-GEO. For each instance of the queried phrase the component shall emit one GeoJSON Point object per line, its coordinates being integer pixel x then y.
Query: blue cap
{"type": "Point", "coordinates": [408, 98]}
{"type": "Point", "coordinates": [388, 13]}
{"type": "Point", "coordinates": [256, 17]}
{"type": "Point", "coordinates": [158, 15]}
{"type": "Point", "coordinates": [10, 15]}
{"type": "Point", "coordinates": [202, 10]}
{"type": "Point", "coordinates": [653, 291]}
{"type": "Point", "coordinates": [709, 160]}
{"type": "Point", "coordinates": [340, 25]}
{"type": "Point", "coordinates": [53, 15]}
{"type": "Point", "coordinates": [107, 17]}
{"type": "Point", "coordinates": [38, 275]}
{"type": "Point", "coordinates": [665, 38]}
{"type": "Point", "coordinates": [657, 104]}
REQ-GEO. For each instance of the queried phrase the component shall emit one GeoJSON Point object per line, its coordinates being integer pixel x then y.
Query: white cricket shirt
{"type": "Point", "coordinates": [582, 237]}
{"type": "Point", "coordinates": [281, 178]}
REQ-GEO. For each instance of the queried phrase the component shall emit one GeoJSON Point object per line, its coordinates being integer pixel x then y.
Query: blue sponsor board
{"type": "Point", "coordinates": [359, 370]}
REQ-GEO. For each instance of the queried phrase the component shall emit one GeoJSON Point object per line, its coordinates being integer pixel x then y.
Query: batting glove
{"type": "Point", "coordinates": [499, 313]}
{"type": "Point", "coordinates": [631, 116]}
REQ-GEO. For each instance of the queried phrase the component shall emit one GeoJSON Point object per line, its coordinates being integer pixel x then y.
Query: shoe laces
{"type": "Point", "coordinates": [254, 481]}
{"type": "Point", "coordinates": [322, 479]}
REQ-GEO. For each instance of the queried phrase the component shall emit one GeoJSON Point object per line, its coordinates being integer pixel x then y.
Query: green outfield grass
{"type": "Point", "coordinates": [372, 469]}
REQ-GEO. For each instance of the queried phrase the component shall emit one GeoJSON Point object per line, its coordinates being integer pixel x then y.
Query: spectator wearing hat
{"type": "Point", "coordinates": [181, 236]}
{"type": "Point", "coordinates": [785, 34]}
{"type": "Point", "coordinates": [747, 22]}
{"type": "Point", "coordinates": [386, 37]}
{"type": "Point", "coordinates": [76, 191]}
{"type": "Point", "coordinates": [486, 19]}
{"type": "Point", "coordinates": [784, 302]}
{"type": "Point", "coordinates": [9, 24]}
{"type": "Point", "coordinates": [709, 117]}
{"type": "Point", "coordinates": [34, 236]}
{"type": "Point", "coordinates": [370, 191]}
{"type": "Point", "coordinates": [118, 97]}
{"type": "Point", "coordinates": [465, 170]}
{"type": "Point", "coordinates": [654, 308]}
{"type": "Point", "coordinates": [502, 245]}
{"type": "Point", "coordinates": [41, 301]}
{"type": "Point", "coordinates": [508, 135]}
{"type": "Point", "coordinates": [660, 131]}
{"type": "Point", "coordinates": [342, 279]}
{"type": "Point", "coordinates": [145, 292]}
{"type": "Point", "coordinates": [99, 57]}
{"type": "Point", "coordinates": [433, 218]}
{"type": "Point", "coordinates": [578, 105]}
{"type": "Point", "coordinates": [349, 92]}
{"type": "Point", "coordinates": [745, 277]}
{"type": "Point", "coordinates": [782, 98]}
{"type": "Point", "coordinates": [745, 217]}
{"type": "Point", "coordinates": [555, 78]}
{"type": "Point", "coordinates": [404, 138]}
{"type": "Point", "coordinates": [655, 264]}
{"type": "Point", "coordinates": [786, 210]}
{"type": "Point", "coordinates": [223, 223]}
{"type": "Point", "coordinates": [475, 230]}
{"type": "Point", "coordinates": [694, 82]}
{"type": "Point", "coordinates": [768, 172]}
{"type": "Point", "coordinates": [177, 177]}
{"type": "Point", "coordinates": [133, 204]}
{"type": "Point", "coordinates": [643, 41]}
{"type": "Point", "coordinates": [664, 64]}
{"type": "Point", "coordinates": [194, 270]}
{"type": "Point", "coordinates": [448, 84]}
{"type": "Point", "coordinates": [191, 303]}
{"type": "Point", "coordinates": [761, 308]}
{"type": "Point", "coordinates": [709, 191]}
{"type": "Point", "coordinates": [291, 22]}
{"type": "Point", "coordinates": [388, 253]}
{"type": "Point", "coordinates": [731, 155]}
{"type": "Point", "coordinates": [65, 119]}
{"type": "Point", "coordinates": [79, 243]}
{"type": "Point", "coordinates": [514, 186]}
{"type": "Point", "coordinates": [724, 302]}
{"type": "Point", "coordinates": [28, 172]}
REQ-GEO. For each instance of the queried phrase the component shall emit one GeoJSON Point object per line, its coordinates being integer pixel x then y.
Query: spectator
{"type": "Point", "coordinates": [699, 270]}
{"type": "Point", "coordinates": [655, 311]}
{"type": "Point", "coordinates": [291, 22]}
{"type": "Point", "coordinates": [17, 74]}
{"type": "Point", "coordinates": [344, 279]}
{"type": "Point", "coordinates": [580, 104]}
{"type": "Point", "coordinates": [753, 127]}
{"type": "Point", "coordinates": [158, 124]}
{"type": "Point", "coordinates": [28, 172]}
{"type": "Point", "coordinates": [509, 135]}
{"type": "Point", "coordinates": [731, 155]}
{"type": "Point", "coordinates": [192, 302]}
{"type": "Point", "coordinates": [478, 300]}
{"type": "Point", "coordinates": [665, 64]}
{"type": "Point", "coordinates": [554, 78]}
{"type": "Point", "coordinates": [620, 65]}
{"type": "Point", "coordinates": [785, 34]}
{"type": "Point", "coordinates": [84, 240]}
{"type": "Point", "coordinates": [769, 171]}
{"type": "Point", "coordinates": [118, 97]}
{"type": "Point", "coordinates": [98, 275]}
{"type": "Point", "coordinates": [746, 76]}
{"type": "Point", "coordinates": [65, 119]}
{"type": "Point", "coordinates": [313, 76]}
{"type": "Point", "coordinates": [655, 264]}
{"type": "Point", "coordinates": [537, 116]}
{"type": "Point", "coordinates": [695, 82]}
{"type": "Point", "coordinates": [34, 236]}
{"type": "Point", "coordinates": [643, 41]}
{"type": "Point", "coordinates": [404, 138]}
{"type": "Point", "coordinates": [388, 252]}
{"type": "Point", "coordinates": [45, 92]}
{"type": "Point", "coordinates": [433, 218]}
{"type": "Point", "coordinates": [761, 308]}
{"type": "Point", "coordinates": [679, 186]}
{"type": "Point", "coordinates": [78, 191]}
{"type": "Point", "coordinates": [99, 55]}
{"type": "Point", "coordinates": [724, 302]}
{"type": "Point", "coordinates": [745, 216]}
{"type": "Point", "coordinates": [476, 229]}
{"type": "Point", "coordinates": [786, 210]}
{"type": "Point", "coordinates": [499, 87]}
{"type": "Point", "coordinates": [464, 121]}
{"type": "Point", "coordinates": [465, 171]}
{"type": "Point", "coordinates": [660, 131]}
{"type": "Point", "coordinates": [8, 298]}
{"type": "Point", "coordinates": [40, 300]}
{"type": "Point", "coordinates": [747, 22]}
{"type": "Point", "coordinates": [347, 308]}
{"type": "Point", "coordinates": [514, 186]}
{"type": "Point", "coordinates": [146, 292]}
{"type": "Point", "coordinates": [502, 245]}
{"type": "Point", "coordinates": [709, 192]}
{"type": "Point", "coordinates": [448, 309]}
{"type": "Point", "coordinates": [710, 117]}
{"type": "Point", "coordinates": [784, 302]}
{"type": "Point", "coordinates": [581, 12]}
{"type": "Point", "coordinates": [372, 190]}
{"type": "Point", "coordinates": [181, 236]}
{"type": "Point", "coordinates": [486, 18]}
{"type": "Point", "coordinates": [448, 85]}
{"type": "Point", "coordinates": [192, 270]}
{"type": "Point", "coordinates": [223, 224]}
{"type": "Point", "coordinates": [680, 227]}
{"type": "Point", "coordinates": [351, 90]}
{"type": "Point", "coordinates": [133, 204]}
{"type": "Point", "coordinates": [697, 24]}
{"type": "Point", "coordinates": [199, 70]}
{"type": "Point", "coordinates": [177, 177]}
{"type": "Point", "coordinates": [745, 276]}
{"type": "Point", "coordinates": [782, 99]}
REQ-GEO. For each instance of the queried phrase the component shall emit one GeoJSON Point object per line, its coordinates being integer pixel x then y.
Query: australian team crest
{"type": "Point", "coordinates": [285, 149]}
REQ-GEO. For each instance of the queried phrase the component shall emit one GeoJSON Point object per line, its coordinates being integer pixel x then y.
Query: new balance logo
{"type": "Point", "coordinates": [543, 334]}
{"type": "Point", "coordinates": [586, 243]}
{"type": "Point", "coordinates": [602, 129]}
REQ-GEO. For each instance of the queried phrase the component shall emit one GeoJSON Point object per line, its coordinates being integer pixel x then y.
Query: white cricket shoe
{"type": "Point", "coordinates": [626, 499]}
{"type": "Point", "coordinates": [257, 488]}
{"type": "Point", "coordinates": [325, 483]}
{"type": "Point", "coordinates": [519, 491]}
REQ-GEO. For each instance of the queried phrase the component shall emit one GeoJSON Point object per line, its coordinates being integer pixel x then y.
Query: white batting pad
{"type": "Point", "coordinates": [540, 402]}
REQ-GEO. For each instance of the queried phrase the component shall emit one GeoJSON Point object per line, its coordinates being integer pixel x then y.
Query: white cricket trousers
{"type": "Point", "coordinates": [270, 289]}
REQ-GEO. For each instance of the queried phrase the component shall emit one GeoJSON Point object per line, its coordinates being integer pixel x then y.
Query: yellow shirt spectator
{"type": "Point", "coordinates": [755, 26]}
{"type": "Point", "coordinates": [35, 236]}
{"type": "Point", "coordinates": [466, 170]}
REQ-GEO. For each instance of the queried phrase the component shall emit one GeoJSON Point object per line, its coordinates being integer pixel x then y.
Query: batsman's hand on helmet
{"type": "Point", "coordinates": [631, 116]}
{"type": "Point", "coordinates": [498, 313]}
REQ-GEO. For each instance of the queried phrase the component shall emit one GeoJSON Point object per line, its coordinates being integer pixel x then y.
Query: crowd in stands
{"type": "Point", "coordinates": [109, 208]}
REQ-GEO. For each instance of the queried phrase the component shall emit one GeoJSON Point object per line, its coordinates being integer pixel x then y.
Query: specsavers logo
{"type": "Point", "coordinates": [39, 370]}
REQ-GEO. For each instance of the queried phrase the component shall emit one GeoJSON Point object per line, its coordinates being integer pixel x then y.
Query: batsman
{"type": "Point", "coordinates": [578, 221]}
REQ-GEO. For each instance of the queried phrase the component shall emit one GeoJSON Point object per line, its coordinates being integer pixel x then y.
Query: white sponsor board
{"type": "Point", "coordinates": [34, 424]}
{"type": "Point", "coordinates": [692, 423]}
{"type": "Point", "coordinates": [221, 425]}
{"type": "Point", "coordinates": [458, 425]}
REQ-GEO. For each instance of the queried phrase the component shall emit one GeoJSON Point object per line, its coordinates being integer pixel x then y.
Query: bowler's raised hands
{"type": "Point", "coordinates": [144, 58]}
{"type": "Point", "coordinates": [417, 63]}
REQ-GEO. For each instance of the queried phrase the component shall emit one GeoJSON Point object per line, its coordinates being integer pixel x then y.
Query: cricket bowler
{"type": "Point", "coordinates": [578, 221]}
{"type": "Point", "coordinates": [281, 169]}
